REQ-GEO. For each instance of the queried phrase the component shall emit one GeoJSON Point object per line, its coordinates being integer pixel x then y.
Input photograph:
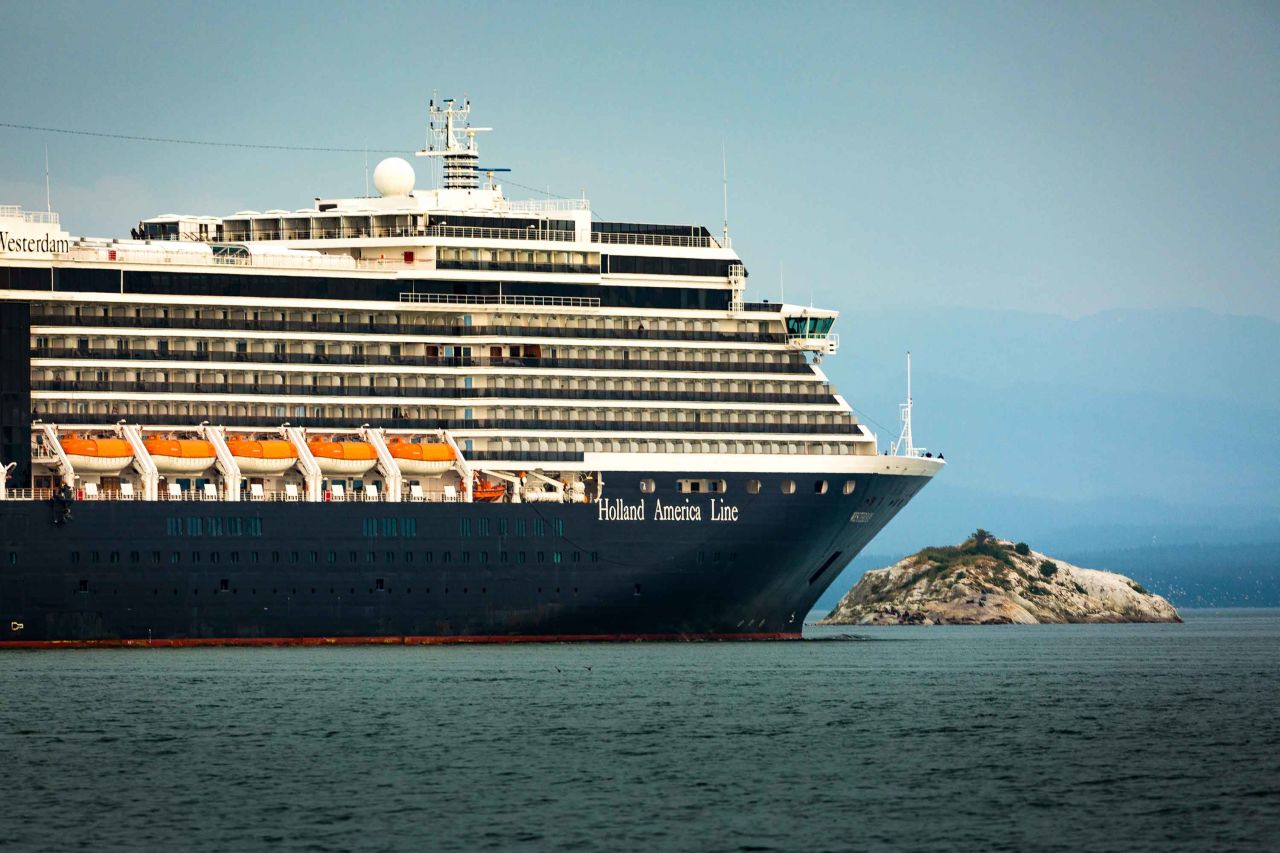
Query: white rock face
{"type": "Point", "coordinates": [992, 584]}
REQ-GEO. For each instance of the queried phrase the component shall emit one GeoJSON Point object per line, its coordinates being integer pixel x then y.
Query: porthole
{"type": "Point", "coordinates": [647, 486]}
{"type": "Point", "coordinates": [788, 487]}
{"type": "Point", "coordinates": [820, 487]}
{"type": "Point", "coordinates": [753, 487]}
{"type": "Point", "coordinates": [849, 486]}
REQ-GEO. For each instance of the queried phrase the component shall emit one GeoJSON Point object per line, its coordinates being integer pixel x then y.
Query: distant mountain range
{"type": "Point", "coordinates": [1120, 432]}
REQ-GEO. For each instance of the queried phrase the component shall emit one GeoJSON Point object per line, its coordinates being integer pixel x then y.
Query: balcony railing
{"type": "Point", "coordinates": [317, 230]}
{"type": "Point", "coordinates": [303, 391]}
{"type": "Point", "coordinates": [266, 359]}
{"type": "Point", "coordinates": [654, 239]}
{"type": "Point", "coordinates": [234, 324]}
{"type": "Point", "coordinates": [475, 299]}
{"type": "Point", "coordinates": [465, 425]}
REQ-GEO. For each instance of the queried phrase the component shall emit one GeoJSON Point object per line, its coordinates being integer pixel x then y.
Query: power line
{"type": "Point", "coordinates": [594, 215]}
{"type": "Point", "coordinates": [254, 145]}
{"type": "Point", "coordinates": [251, 145]}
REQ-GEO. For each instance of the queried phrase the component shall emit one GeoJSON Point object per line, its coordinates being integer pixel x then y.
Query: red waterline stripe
{"type": "Point", "coordinates": [485, 639]}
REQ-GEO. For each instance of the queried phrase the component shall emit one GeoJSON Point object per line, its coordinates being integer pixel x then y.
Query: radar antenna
{"type": "Point", "coordinates": [451, 137]}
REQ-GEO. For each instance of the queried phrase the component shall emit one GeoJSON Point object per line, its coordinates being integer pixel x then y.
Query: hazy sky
{"type": "Point", "coordinates": [1065, 158]}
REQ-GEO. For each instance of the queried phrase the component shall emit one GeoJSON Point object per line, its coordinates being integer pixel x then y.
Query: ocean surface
{"type": "Point", "coordinates": [1124, 737]}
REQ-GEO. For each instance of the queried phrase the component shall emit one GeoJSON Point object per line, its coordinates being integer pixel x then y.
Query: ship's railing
{"type": "Point", "coordinates": [478, 233]}
{"type": "Point", "coordinates": [28, 494]}
{"type": "Point", "coordinates": [302, 388]}
{"type": "Point", "coordinates": [15, 211]}
{"type": "Point", "coordinates": [654, 239]}
{"type": "Point", "coordinates": [472, 299]}
{"type": "Point", "coordinates": [828, 342]}
{"type": "Point", "coordinates": [397, 328]}
{"type": "Point", "coordinates": [536, 425]}
{"type": "Point", "coordinates": [543, 205]}
{"type": "Point", "coordinates": [268, 358]}
{"type": "Point", "coordinates": [319, 230]}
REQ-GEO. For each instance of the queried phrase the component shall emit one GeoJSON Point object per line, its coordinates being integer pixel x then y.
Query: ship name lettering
{"type": "Point", "coordinates": [723, 512]}
{"type": "Point", "coordinates": [616, 510]}
{"type": "Point", "coordinates": [33, 244]}
{"type": "Point", "coordinates": [676, 512]}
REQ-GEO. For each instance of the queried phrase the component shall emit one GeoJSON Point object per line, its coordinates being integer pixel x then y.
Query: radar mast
{"type": "Point", "coordinates": [451, 137]}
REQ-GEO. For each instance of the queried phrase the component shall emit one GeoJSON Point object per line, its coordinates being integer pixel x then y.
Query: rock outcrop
{"type": "Point", "coordinates": [985, 581]}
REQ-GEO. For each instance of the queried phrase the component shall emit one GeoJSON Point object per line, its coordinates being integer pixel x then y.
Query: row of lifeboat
{"type": "Point", "coordinates": [254, 457]}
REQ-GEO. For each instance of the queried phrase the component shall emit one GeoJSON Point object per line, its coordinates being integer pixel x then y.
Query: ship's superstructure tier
{"type": "Point", "coordinates": [528, 333]}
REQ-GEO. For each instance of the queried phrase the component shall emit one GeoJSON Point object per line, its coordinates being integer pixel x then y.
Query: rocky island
{"type": "Point", "coordinates": [989, 581]}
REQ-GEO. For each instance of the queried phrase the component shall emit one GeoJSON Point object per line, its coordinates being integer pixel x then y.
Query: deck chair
{"type": "Point", "coordinates": [175, 492]}
{"type": "Point", "coordinates": [256, 492]}
{"type": "Point", "coordinates": [126, 491]}
{"type": "Point", "coordinates": [415, 492]}
{"type": "Point", "coordinates": [450, 493]}
{"type": "Point", "coordinates": [337, 492]}
{"type": "Point", "coordinates": [210, 492]}
{"type": "Point", "coordinates": [371, 493]}
{"type": "Point", "coordinates": [91, 491]}
{"type": "Point", "coordinates": [291, 491]}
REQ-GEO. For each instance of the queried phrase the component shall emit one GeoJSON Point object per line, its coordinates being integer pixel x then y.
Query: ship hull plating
{"type": "Point", "coordinates": [635, 566]}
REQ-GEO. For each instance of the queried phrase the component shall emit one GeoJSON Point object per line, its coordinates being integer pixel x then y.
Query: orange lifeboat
{"type": "Point", "coordinates": [97, 455]}
{"type": "Point", "coordinates": [180, 455]}
{"type": "Point", "coordinates": [272, 456]}
{"type": "Point", "coordinates": [423, 459]}
{"type": "Point", "coordinates": [485, 490]}
{"type": "Point", "coordinates": [343, 457]}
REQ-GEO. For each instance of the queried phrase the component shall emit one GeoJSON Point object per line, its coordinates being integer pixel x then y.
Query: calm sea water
{"type": "Point", "coordinates": [1136, 737]}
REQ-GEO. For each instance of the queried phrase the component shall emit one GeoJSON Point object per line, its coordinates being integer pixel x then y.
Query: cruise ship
{"type": "Point", "coordinates": [424, 416]}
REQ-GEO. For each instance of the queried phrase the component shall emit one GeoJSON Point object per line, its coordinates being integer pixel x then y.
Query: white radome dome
{"type": "Point", "coordinates": [394, 176]}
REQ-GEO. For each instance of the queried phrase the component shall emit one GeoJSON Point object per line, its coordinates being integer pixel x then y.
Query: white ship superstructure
{"type": "Point", "coordinates": [527, 333]}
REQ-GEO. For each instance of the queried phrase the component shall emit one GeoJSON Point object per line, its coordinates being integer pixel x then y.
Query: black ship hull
{"type": "Point", "coordinates": [635, 566]}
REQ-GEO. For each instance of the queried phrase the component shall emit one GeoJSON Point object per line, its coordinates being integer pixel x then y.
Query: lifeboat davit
{"type": "Point", "coordinates": [272, 456]}
{"type": "Point", "coordinates": [180, 455]}
{"type": "Point", "coordinates": [97, 455]}
{"type": "Point", "coordinates": [423, 459]}
{"type": "Point", "coordinates": [343, 457]}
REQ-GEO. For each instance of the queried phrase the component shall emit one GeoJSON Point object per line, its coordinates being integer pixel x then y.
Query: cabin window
{"type": "Point", "coordinates": [849, 486]}
{"type": "Point", "coordinates": [714, 487]}
{"type": "Point", "coordinates": [788, 487]}
{"type": "Point", "coordinates": [820, 487]}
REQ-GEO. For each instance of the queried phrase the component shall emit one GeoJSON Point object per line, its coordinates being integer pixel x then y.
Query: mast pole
{"type": "Point", "coordinates": [906, 426]}
{"type": "Point", "coordinates": [724, 173]}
